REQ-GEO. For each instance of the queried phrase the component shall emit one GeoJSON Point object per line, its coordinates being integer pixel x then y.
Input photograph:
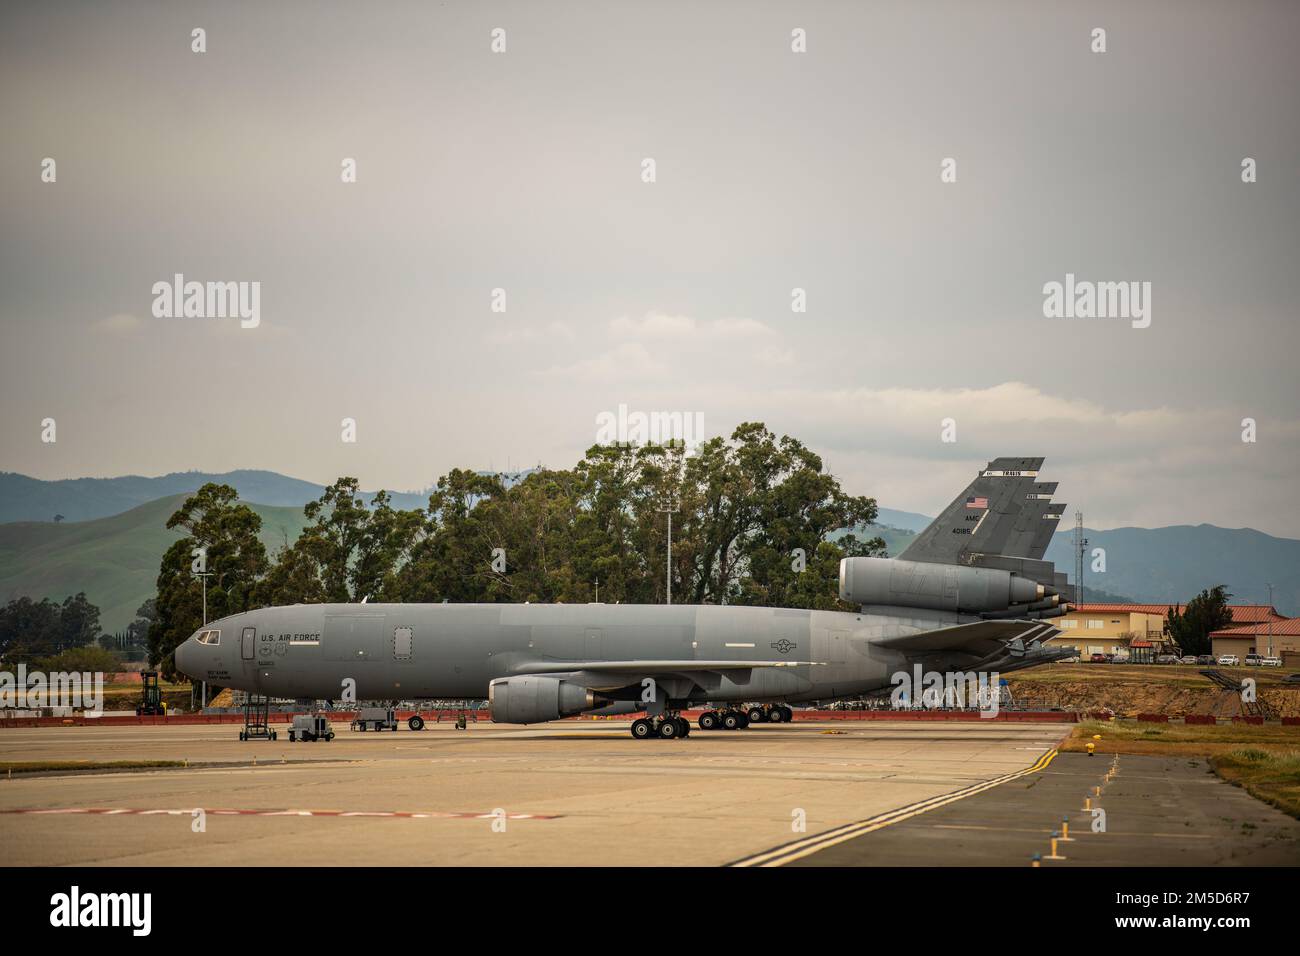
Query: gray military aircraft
{"type": "Point", "coordinates": [954, 601]}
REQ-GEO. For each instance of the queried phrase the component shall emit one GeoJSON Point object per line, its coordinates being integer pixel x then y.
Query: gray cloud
{"type": "Point", "coordinates": [775, 171]}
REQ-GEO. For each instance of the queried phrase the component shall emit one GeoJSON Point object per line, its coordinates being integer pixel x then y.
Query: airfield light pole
{"type": "Point", "coordinates": [203, 576]}
{"type": "Point", "coordinates": [1080, 543]}
{"type": "Point", "coordinates": [668, 571]}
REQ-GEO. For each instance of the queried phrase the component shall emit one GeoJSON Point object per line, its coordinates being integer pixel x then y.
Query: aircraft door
{"type": "Point", "coordinates": [403, 643]}
{"type": "Point", "coordinates": [355, 638]}
{"type": "Point", "coordinates": [247, 641]}
{"type": "Point", "coordinates": [829, 646]}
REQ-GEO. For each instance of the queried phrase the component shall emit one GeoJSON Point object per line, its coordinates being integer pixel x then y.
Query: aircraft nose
{"type": "Point", "coordinates": [185, 657]}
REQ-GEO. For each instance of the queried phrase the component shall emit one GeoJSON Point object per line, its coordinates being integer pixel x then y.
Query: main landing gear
{"type": "Point", "coordinates": [668, 726]}
{"type": "Point", "coordinates": [735, 718]}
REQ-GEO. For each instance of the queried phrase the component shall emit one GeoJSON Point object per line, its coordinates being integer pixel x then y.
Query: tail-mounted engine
{"type": "Point", "coordinates": [988, 592]}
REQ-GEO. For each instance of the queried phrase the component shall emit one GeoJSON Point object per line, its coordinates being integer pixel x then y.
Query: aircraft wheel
{"type": "Point", "coordinates": [291, 736]}
{"type": "Point", "coordinates": [668, 729]}
{"type": "Point", "coordinates": [777, 715]}
{"type": "Point", "coordinates": [416, 722]}
{"type": "Point", "coordinates": [708, 720]}
{"type": "Point", "coordinates": [683, 727]}
{"type": "Point", "coordinates": [755, 715]}
{"type": "Point", "coordinates": [641, 729]}
{"type": "Point", "coordinates": [788, 712]}
{"type": "Point", "coordinates": [731, 720]}
{"type": "Point", "coordinates": [744, 720]}
{"type": "Point", "coordinates": [330, 735]}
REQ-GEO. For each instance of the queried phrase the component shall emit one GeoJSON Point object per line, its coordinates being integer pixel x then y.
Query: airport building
{"type": "Point", "coordinates": [1138, 630]}
{"type": "Point", "coordinates": [1278, 637]}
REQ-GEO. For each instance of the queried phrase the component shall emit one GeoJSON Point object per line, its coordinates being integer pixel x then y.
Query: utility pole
{"type": "Point", "coordinates": [1080, 545]}
{"type": "Point", "coordinates": [668, 591]}
{"type": "Point", "coordinates": [1270, 620]}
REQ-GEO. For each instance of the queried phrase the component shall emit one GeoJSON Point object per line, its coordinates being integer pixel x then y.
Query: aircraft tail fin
{"type": "Point", "coordinates": [984, 517]}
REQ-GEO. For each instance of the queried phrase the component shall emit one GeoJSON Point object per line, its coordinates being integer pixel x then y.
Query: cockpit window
{"type": "Point", "coordinates": [209, 637]}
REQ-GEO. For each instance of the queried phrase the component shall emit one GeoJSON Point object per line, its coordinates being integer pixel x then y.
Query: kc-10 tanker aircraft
{"type": "Point", "coordinates": [970, 594]}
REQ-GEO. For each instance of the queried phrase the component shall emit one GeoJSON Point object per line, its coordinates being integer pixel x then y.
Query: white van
{"type": "Point", "coordinates": [1228, 660]}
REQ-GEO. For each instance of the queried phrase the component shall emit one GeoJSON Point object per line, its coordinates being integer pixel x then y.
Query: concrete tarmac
{"type": "Point", "coordinates": [1155, 811]}
{"type": "Point", "coordinates": [569, 793]}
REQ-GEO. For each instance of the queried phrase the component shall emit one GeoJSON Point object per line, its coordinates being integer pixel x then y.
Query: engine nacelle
{"type": "Point", "coordinates": [532, 699]}
{"type": "Point", "coordinates": [935, 587]}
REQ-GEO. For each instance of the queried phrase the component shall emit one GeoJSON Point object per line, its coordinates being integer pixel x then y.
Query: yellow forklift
{"type": "Point", "coordinates": [151, 702]}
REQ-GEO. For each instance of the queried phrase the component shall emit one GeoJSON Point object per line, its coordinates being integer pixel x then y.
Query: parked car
{"type": "Point", "coordinates": [1167, 659]}
{"type": "Point", "coordinates": [1189, 659]}
{"type": "Point", "coordinates": [1270, 662]}
{"type": "Point", "coordinates": [1205, 658]}
{"type": "Point", "coordinates": [1252, 660]}
{"type": "Point", "coordinates": [1097, 659]}
{"type": "Point", "coordinates": [1228, 660]}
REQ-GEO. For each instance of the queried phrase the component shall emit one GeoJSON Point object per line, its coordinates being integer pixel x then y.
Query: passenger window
{"type": "Point", "coordinates": [403, 637]}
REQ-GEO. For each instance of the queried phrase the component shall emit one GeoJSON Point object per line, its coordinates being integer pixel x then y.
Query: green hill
{"type": "Point", "coordinates": [114, 560]}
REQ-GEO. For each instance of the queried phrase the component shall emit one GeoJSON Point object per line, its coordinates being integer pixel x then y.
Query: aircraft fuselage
{"type": "Point", "coordinates": [414, 651]}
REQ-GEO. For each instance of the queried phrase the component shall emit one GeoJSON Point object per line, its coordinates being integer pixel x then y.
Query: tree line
{"type": "Point", "coordinates": [751, 520]}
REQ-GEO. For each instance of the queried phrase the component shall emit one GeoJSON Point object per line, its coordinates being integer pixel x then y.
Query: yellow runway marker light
{"type": "Point", "coordinates": [1054, 855]}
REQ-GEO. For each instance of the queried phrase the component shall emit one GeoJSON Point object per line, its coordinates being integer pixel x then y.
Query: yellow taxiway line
{"type": "Point", "coordinates": [798, 849]}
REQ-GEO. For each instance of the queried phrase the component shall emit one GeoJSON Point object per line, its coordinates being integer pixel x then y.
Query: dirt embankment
{"type": "Point", "coordinates": [1150, 690]}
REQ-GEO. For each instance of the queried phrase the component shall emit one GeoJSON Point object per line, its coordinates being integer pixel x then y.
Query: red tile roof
{"type": "Point", "coordinates": [1288, 626]}
{"type": "Point", "coordinates": [1241, 613]}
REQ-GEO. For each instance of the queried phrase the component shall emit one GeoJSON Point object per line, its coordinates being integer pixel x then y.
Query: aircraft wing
{"type": "Point", "coordinates": [993, 645]}
{"type": "Point", "coordinates": [650, 667]}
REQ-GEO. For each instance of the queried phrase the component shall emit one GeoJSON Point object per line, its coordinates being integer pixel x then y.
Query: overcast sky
{"type": "Point", "coordinates": [775, 170]}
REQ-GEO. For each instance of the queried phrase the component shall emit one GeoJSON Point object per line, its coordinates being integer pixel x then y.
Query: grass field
{"type": "Point", "coordinates": [1262, 759]}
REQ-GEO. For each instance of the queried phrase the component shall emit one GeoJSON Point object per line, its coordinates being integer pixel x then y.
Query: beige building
{"type": "Point", "coordinates": [1277, 638]}
{"type": "Point", "coordinates": [1136, 629]}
